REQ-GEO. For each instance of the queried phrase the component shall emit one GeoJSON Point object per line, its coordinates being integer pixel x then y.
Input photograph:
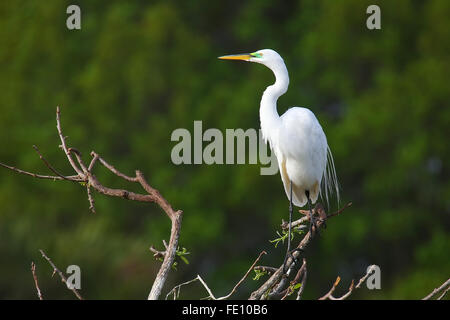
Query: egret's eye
{"type": "Point", "coordinates": [256, 55]}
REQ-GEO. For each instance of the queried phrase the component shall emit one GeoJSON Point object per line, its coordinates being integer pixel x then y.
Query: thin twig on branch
{"type": "Point", "coordinates": [38, 176]}
{"type": "Point", "coordinates": [444, 288]}
{"type": "Point", "coordinates": [176, 290]}
{"type": "Point", "coordinates": [329, 294]}
{"type": "Point", "coordinates": [243, 278]}
{"type": "Point", "coordinates": [301, 274]}
{"type": "Point", "coordinates": [33, 272]}
{"type": "Point", "coordinates": [61, 275]}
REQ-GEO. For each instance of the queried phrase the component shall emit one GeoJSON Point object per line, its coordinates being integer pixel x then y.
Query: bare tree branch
{"type": "Point", "coordinates": [243, 278]}
{"type": "Point", "coordinates": [63, 143]}
{"type": "Point", "coordinates": [51, 167]}
{"type": "Point", "coordinates": [61, 275]}
{"type": "Point", "coordinates": [278, 280]}
{"type": "Point", "coordinates": [33, 272]}
{"type": "Point", "coordinates": [302, 288]}
{"type": "Point", "coordinates": [176, 290]}
{"type": "Point", "coordinates": [300, 273]}
{"type": "Point", "coordinates": [90, 198]}
{"type": "Point", "coordinates": [445, 287]}
{"type": "Point", "coordinates": [329, 293]}
{"type": "Point", "coordinates": [38, 176]}
{"type": "Point", "coordinates": [84, 174]}
{"type": "Point", "coordinates": [352, 287]}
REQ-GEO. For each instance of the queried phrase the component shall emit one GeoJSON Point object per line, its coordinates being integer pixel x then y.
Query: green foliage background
{"type": "Point", "coordinates": [137, 70]}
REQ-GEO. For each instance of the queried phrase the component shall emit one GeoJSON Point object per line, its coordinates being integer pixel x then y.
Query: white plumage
{"type": "Point", "coordinates": [296, 138]}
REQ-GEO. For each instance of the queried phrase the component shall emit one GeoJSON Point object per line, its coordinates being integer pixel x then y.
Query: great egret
{"type": "Point", "coordinates": [297, 139]}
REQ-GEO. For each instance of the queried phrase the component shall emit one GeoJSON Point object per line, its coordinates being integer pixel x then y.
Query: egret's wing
{"type": "Point", "coordinates": [298, 194]}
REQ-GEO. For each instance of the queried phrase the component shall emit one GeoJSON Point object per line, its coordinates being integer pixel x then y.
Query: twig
{"type": "Point", "coordinates": [61, 275]}
{"type": "Point", "coordinates": [156, 253]}
{"type": "Point", "coordinates": [38, 176]}
{"type": "Point", "coordinates": [79, 160]}
{"type": "Point", "coordinates": [33, 271]}
{"type": "Point", "coordinates": [340, 210]}
{"type": "Point", "coordinates": [352, 287]}
{"type": "Point", "coordinates": [90, 198]}
{"type": "Point", "coordinates": [111, 168]}
{"type": "Point", "coordinates": [302, 287]}
{"type": "Point", "coordinates": [329, 293]}
{"type": "Point", "coordinates": [443, 294]}
{"type": "Point", "coordinates": [63, 143]}
{"type": "Point", "coordinates": [300, 273]}
{"type": "Point", "coordinates": [445, 286]}
{"type": "Point", "coordinates": [48, 165]}
{"type": "Point", "coordinates": [176, 290]}
{"type": "Point", "coordinates": [93, 161]}
{"type": "Point", "coordinates": [243, 278]}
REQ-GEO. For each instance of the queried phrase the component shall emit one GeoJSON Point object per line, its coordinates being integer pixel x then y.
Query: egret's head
{"type": "Point", "coordinates": [267, 57]}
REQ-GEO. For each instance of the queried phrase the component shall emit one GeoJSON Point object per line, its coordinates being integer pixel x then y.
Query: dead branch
{"type": "Point", "coordinates": [61, 275]}
{"type": "Point", "coordinates": [243, 278]}
{"type": "Point", "coordinates": [176, 290]}
{"type": "Point", "coordinates": [33, 272]}
{"type": "Point", "coordinates": [329, 294]}
{"type": "Point", "coordinates": [38, 176]}
{"type": "Point", "coordinates": [157, 253]}
{"type": "Point", "coordinates": [445, 287]}
{"type": "Point", "coordinates": [277, 283]}
{"type": "Point", "coordinates": [301, 274]}
{"type": "Point", "coordinates": [302, 287]}
{"type": "Point", "coordinates": [85, 176]}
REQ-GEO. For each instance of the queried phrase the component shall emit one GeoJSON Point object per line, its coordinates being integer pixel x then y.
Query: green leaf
{"type": "Point", "coordinates": [259, 274]}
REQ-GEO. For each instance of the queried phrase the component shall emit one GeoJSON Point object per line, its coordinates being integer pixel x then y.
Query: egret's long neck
{"type": "Point", "coordinates": [268, 113]}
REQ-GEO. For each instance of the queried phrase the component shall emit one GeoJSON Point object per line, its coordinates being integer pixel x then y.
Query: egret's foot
{"type": "Point", "coordinates": [324, 223]}
{"type": "Point", "coordinates": [313, 227]}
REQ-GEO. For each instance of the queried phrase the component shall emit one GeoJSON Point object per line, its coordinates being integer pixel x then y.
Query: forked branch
{"type": "Point", "coordinates": [176, 290]}
{"type": "Point", "coordinates": [278, 281]}
{"type": "Point", "coordinates": [443, 289]}
{"type": "Point", "coordinates": [61, 275]}
{"type": "Point", "coordinates": [84, 175]}
{"type": "Point", "coordinates": [329, 294]}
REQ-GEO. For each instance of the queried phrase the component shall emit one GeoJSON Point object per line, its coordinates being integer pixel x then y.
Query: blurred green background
{"type": "Point", "coordinates": [137, 70]}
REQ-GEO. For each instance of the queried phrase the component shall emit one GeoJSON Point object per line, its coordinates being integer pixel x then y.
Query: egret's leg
{"type": "Point", "coordinates": [312, 220]}
{"type": "Point", "coordinates": [291, 209]}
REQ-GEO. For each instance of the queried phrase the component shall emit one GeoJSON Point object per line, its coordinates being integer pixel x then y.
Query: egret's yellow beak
{"type": "Point", "coordinates": [244, 56]}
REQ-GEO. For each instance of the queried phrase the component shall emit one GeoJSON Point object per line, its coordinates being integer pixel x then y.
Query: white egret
{"type": "Point", "coordinates": [297, 139]}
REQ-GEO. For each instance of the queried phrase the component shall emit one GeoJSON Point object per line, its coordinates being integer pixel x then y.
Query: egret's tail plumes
{"type": "Point", "coordinates": [330, 182]}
